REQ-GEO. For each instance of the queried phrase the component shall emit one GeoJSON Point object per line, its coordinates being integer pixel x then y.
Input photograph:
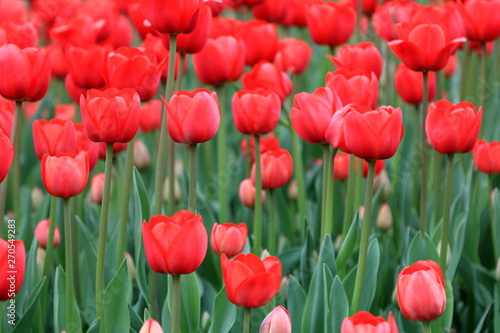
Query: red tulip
{"type": "Point", "coordinates": [65, 111]}
{"type": "Point", "coordinates": [150, 116]}
{"type": "Point", "coordinates": [365, 322]}
{"type": "Point", "coordinates": [154, 43]}
{"type": "Point", "coordinates": [142, 158]}
{"type": "Point", "coordinates": [277, 321]}
{"type": "Point", "coordinates": [74, 92]}
{"type": "Point", "coordinates": [256, 111]}
{"type": "Point", "coordinates": [121, 34]}
{"type": "Point", "coordinates": [368, 6]}
{"type": "Point", "coordinates": [311, 113]}
{"type": "Point", "coordinates": [294, 55]}
{"type": "Point", "coordinates": [22, 35]}
{"type": "Point", "coordinates": [100, 11]}
{"type": "Point", "coordinates": [221, 60]}
{"type": "Point", "coordinates": [363, 56]}
{"type": "Point", "coordinates": [42, 234]}
{"type": "Point", "coordinates": [139, 20]}
{"type": "Point", "coordinates": [386, 17]}
{"type": "Point", "coordinates": [409, 85]}
{"type": "Point", "coordinates": [447, 16]}
{"type": "Point", "coordinates": [247, 193]}
{"type": "Point", "coordinates": [7, 109]}
{"type": "Point", "coordinates": [424, 46]}
{"type": "Point", "coordinates": [266, 144]}
{"type": "Point", "coordinates": [151, 326]}
{"type": "Point", "coordinates": [32, 73]}
{"type": "Point", "coordinates": [97, 188]}
{"type": "Point", "coordinates": [271, 10]}
{"type": "Point", "coordinates": [453, 128]}
{"type": "Point", "coordinates": [261, 41]}
{"type": "Point", "coordinates": [268, 76]}
{"type": "Point", "coordinates": [224, 26]}
{"type": "Point", "coordinates": [487, 156]}
{"type": "Point", "coordinates": [356, 86]}
{"type": "Point", "coordinates": [451, 66]}
{"type": "Point", "coordinates": [277, 168]}
{"type": "Point", "coordinates": [421, 291]}
{"type": "Point", "coordinates": [228, 238]}
{"type": "Point", "coordinates": [12, 252]}
{"type": "Point", "coordinates": [111, 115]}
{"type": "Point", "coordinates": [85, 65]}
{"type": "Point", "coordinates": [250, 3]}
{"type": "Point", "coordinates": [341, 166]}
{"type": "Point", "coordinates": [77, 30]}
{"type": "Point", "coordinates": [84, 144]}
{"type": "Point", "coordinates": [6, 154]}
{"type": "Point", "coordinates": [295, 13]}
{"type": "Point", "coordinates": [65, 174]}
{"type": "Point", "coordinates": [54, 136]}
{"type": "Point", "coordinates": [341, 18]}
{"type": "Point", "coordinates": [171, 16]}
{"type": "Point", "coordinates": [251, 282]}
{"type": "Point", "coordinates": [132, 68]}
{"type": "Point", "coordinates": [175, 245]}
{"type": "Point", "coordinates": [481, 19]}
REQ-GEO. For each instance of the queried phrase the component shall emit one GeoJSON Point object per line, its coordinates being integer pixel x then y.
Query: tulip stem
{"type": "Point", "coordinates": [127, 186]}
{"type": "Point", "coordinates": [484, 80]}
{"type": "Point", "coordinates": [359, 16]}
{"type": "Point", "coordinates": [76, 247]}
{"type": "Point", "coordinates": [351, 192]}
{"type": "Point", "coordinates": [365, 234]}
{"type": "Point", "coordinates": [326, 152]}
{"type": "Point", "coordinates": [299, 178]}
{"type": "Point", "coordinates": [492, 216]}
{"type": "Point", "coordinates": [427, 327]}
{"type": "Point", "coordinates": [257, 224]}
{"type": "Point", "coordinates": [222, 158]}
{"type": "Point", "coordinates": [101, 247]}
{"type": "Point", "coordinates": [176, 304]}
{"type": "Point", "coordinates": [359, 180]}
{"type": "Point", "coordinates": [162, 147]}
{"type": "Point", "coordinates": [438, 173]}
{"type": "Point", "coordinates": [329, 193]}
{"type": "Point", "coordinates": [192, 179]}
{"type": "Point", "coordinates": [171, 176]}
{"type": "Point", "coordinates": [180, 72]}
{"type": "Point", "coordinates": [246, 320]}
{"type": "Point", "coordinates": [425, 152]}
{"type": "Point", "coordinates": [446, 213]}
{"type": "Point", "coordinates": [272, 223]}
{"type": "Point", "coordinates": [70, 292]}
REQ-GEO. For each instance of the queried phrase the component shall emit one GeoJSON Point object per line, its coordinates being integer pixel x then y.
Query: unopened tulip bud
{"type": "Point", "coordinates": [278, 321]}
{"type": "Point", "coordinates": [498, 270]}
{"type": "Point", "coordinates": [142, 158]}
{"type": "Point", "coordinates": [178, 167]}
{"type": "Point", "coordinates": [247, 193]}
{"type": "Point", "coordinates": [130, 266]}
{"type": "Point", "coordinates": [384, 218]}
{"type": "Point", "coordinates": [151, 326]}
{"type": "Point", "coordinates": [42, 234]}
{"type": "Point", "coordinates": [382, 181]}
{"type": "Point", "coordinates": [40, 259]}
{"type": "Point", "coordinates": [448, 252]}
{"type": "Point", "coordinates": [361, 212]}
{"type": "Point", "coordinates": [36, 197]}
{"type": "Point", "coordinates": [339, 240]}
{"type": "Point", "coordinates": [177, 190]}
{"type": "Point", "coordinates": [228, 238]}
{"type": "Point", "coordinates": [284, 285]}
{"type": "Point", "coordinates": [292, 190]}
{"type": "Point", "coordinates": [96, 188]}
{"type": "Point", "coordinates": [265, 253]}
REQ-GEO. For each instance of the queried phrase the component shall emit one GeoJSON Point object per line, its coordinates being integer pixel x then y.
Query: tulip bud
{"type": "Point", "coordinates": [292, 190]}
{"type": "Point", "coordinates": [247, 193]}
{"type": "Point", "coordinates": [228, 238]}
{"type": "Point", "coordinates": [42, 234]}
{"type": "Point", "coordinates": [178, 167]}
{"type": "Point", "coordinates": [278, 321]}
{"type": "Point", "coordinates": [40, 259]}
{"type": "Point", "coordinates": [448, 252]}
{"type": "Point", "coordinates": [166, 190]}
{"type": "Point", "coordinates": [36, 197]}
{"type": "Point", "coordinates": [96, 188]}
{"type": "Point", "coordinates": [498, 270]}
{"type": "Point", "coordinates": [151, 326]}
{"type": "Point", "coordinates": [382, 181]}
{"type": "Point", "coordinates": [130, 266]}
{"type": "Point", "coordinates": [361, 212]}
{"type": "Point", "coordinates": [142, 158]}
{"type": "Point", "coordinates": [384, 218]}
{"type": "Point", "coordinates": [338, 243]}
{"type": "Point", "coordinates": [284, 285]}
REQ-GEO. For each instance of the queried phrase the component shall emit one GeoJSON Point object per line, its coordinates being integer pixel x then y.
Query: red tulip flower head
{"type": "Point", "coordinates": [421, 291]}
{"type": "Point", "coordinates": [256, 111]}
{"type": "Point", "coordinates": [261, 40]}
{"type": "Point", "coordinates": [175, 245]}
{"type": "Point", "coordinates": [453, 128]}
{"type": "Point", "coordinates": [228, 238]}
{"type": "Point", "coordinates": [278, 321]}
{"type": "Point", "coordinates": [111, 115]}
{"type": "Point", "coordinates": [97, 188]}
{"type": "Point", "coordinates": [84, 144]}
{"type": "Point", "coordinates": [277, 168]}
{"type": "Point", "coordinates": [6, 154]}
{"type": "Point", "coordinates": [42, 234]}
{"type": "Point", "coordinates": [85, 65]}
{"type": "Point", "coordinates": [10, 283]}
{"type": "Point", "coordinates": [294, 55]}
{"type": "Point", "coordinates": [311, 113]}
{"type": "Point", "coordinates": [251, 282]}
{"type": "Point", "coordinates": [266, 144]}
{"type": "Point", "coordinates": [53, 136]}
{"type": "Point", "coordinates": [32, 73]}
{"type": "Point", "coordinates": [65, 174]}
{"type": "Point", "coordinates": [481, 19]}
{"type": "Point", "coordinates": [247, 193]}
{"type": "Point", "coordinates": [193, 116]}
{"type": "Point", "coordinates": [358, 87]}
{"type": "Point", "coordinates": [171, 16]}
{"type": "Point", "coordinates": [271, 10]}
{"type": "Point", "coordinates": [268, 76]}
{"type": "Point", "coordinates": [150, 116]}
{"type": "Point", "coordinates": [409, 85]}
{"type": "Point", "coordinates": [364, 56]}
{"type": "Point", "coordinates": [151, 326]}
{"type": "Point", "coordinates": [487, 156]}
{"type": "Point", "coordinates": [365, 322]}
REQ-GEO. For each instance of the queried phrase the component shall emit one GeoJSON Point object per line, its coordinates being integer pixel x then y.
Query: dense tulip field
{"type": "Point", "coordinates": [271, 166]}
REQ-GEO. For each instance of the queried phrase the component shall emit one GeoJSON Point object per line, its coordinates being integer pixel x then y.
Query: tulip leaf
{"type": "Point", "coordinates": [348, 244]}
{"type": "Point", "coordinates": [339, 305]}
{"type": "Point", "coordinates": [25, 323]}
{"type": "Point", "coordinates": [480, 324]}
{"type": "Point", "coordinates": [496, 217]}
{"type": "Point", "coordinates": [116, 298]}
{"type": "Point", "coordinates": [95, 326]}
{"type": "Point", "coordinates": [458, 240]}
{"type": "Point", "coordinates": [306, 261]}
{"type": "Point", "coordinates": [60, 305]}
{"type": "Point", "coordinates": [141, 193]}
{"type": "Point", "coordinates": [421, 248]}
{"type": "Point", "coordinates": [135, 320]}
{"type": "Point", "coordinates": [296, 302]}
{"type": "Point", "coordinates": [224, 313]}
{"type": "Point", "coordinates": [31, 278]}
{"type": "Point", "coordinates": [190, 303]}
{"type": "Point", "coordinates": [327, 255]}
{"type": "Point", "coordinates": [166, 318]}
{"type": "Point", "coordinates": [87, 270]}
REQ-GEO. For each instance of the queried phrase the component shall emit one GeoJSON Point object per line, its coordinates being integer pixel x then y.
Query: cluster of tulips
{"type": "Point", "coordinates": [261, 106]}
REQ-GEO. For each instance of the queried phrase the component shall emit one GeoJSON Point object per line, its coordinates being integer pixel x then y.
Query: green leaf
{"type": "Point", "coordinates": [480, 324]}
{"type": "Point", "coordinates": [24, 324]}
{"type": "Point", "coordinates": [315, 312]}
{"type": "Point", "coordinates": [87, 271]}
{"type": "Point", "coordinates": [135, 321]}
{"type": "Point", "coordinates": [190, 303]}
{"type": "Point", "coordinates": [60, 305]}
{"type": "Point", "coordinates": [348, 245]}
{"type": "Point", "coordinates": [95, 326]}
{"type": "Point", "coordinates": [223, 315]}
{"type": "Point", "coordinates": [421, 248]}
{"type": "Point", "coordinates": [458, 241]}
{"type": "Point", "coordinates": [116, 298]}
{"type": "Point", "coordinates": [306, 261]}
{"type": "Point", "coordinates": [296, 303]}
{"type": "Point", "coordinates": [370, 279]}
{"type": "Point", "coordinates": [339, 305]}
{"type": "Point", "coordinates": [327, 255]}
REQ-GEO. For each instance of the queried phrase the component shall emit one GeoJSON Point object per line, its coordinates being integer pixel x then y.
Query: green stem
{"type": "Point", "coordinates": [425, 152]}
{"type": "Point", "coordinates": [329, 193]}
{"type": "Point", "coordinates": [299, 178]}
{"type": "Point", "coordinates": [101, 248]}
{"type": "Point", "coordinates": [127, 186]}
{"type": "Point", "coordinates": [427, 327]}
{"type": "Point", "coordinates": [192, 179]}
{"type": "Point", "coordinates": [272, 223]}
{"type": "Point", "coordinates": [416, 154]}
{"type": "Point", "coordinates": [326, 153]}
{"type": "Point", "coordinates": [492, 217]}
{"type": "Point", "coordinates": [438, 174]}
{"type": "Point", "coordinates": [176, 304]}
{"type": "Point", "coordinates": [246, 320]}
{"type": "Point", "coordinates": [162, 147]}
{"type": "Point", "coordinates": [171, 176]}
{"type": "Point", "coordinates": [365, 234]}
{"type": "Point", "coordinates": [16, 139]}
{"type": "Point", "coordinates": [76, 251]}
{"type": "Point", "coordinates": [153, 293]}
{"type": "Point", "coordinates": [359, 183]}
{"type": "Point", "coordinates": [257, 224]}
{"type": "Point", "coordinates": [446, 213]}
{"type": "Point", "coordinates": [351, 192]}
{"type": "Point", "coordinates": [484, 81]}
{"type": "Point", "coordinates": [70, 296]}
{"type": "Point", "coordinates": [180, 72]}
{"type": "Point", "coordinates": [464, 75]}
{"type": "Point", "coordinates": [222, 158]}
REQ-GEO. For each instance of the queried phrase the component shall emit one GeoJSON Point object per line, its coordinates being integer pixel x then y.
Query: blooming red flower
{"type": "Point", "coordinates": [261, 40]}
{"type": "Point", "coordinates": [247, 193]}
{"type": "Point", "coordinates": [6, 154]}
{"type": "Point", "coordinates": [481, 19]}
{"type": "Point", "coordinates": [277, 168]}
{"type": "Point", "coordinates": [228, 238]}
{"type": "Point", "coordinates": [84, 144]}
{"type": "Point", "coordinates": [268, 76]}
{"type": "Point", "coordinates": [358, 87]}
{"type": "Point", "coordinates": [7, 278]}
{"type": "Point", "coordinates": [256, 111]}
{"type": "Point", "coordinates": [341, 18]}
{"type": "Point", "coordinates": [368, 323]}
{"type": "Point", "coordinates": [171, 16]}
{"type": "Point", "coordinates": [364, 56]}
{"type": "Point", "coordinates": [487, 156]}
{"type": "Point", "coordinates": [293, 55]}
{"type": "Point", "coordinates": [85, 65]}
{"type": "Point", "coordinates": [150, 116]}
{"type": "Point", "coordinates": [266, 144]}
{"type": "Point", "coordinates": [271, 10]}
{"type": "Point", "coordinates": [409, 85]}
{"type": "Point", "coordinates": [53, 136]}
{"type": "Point", "coordinates": [42, 234]}
{"type": "Point", "coordinates": [65, 174]}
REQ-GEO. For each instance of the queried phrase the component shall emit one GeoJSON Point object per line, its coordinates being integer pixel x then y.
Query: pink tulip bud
{"type": "Point", "coordinates": [96, 188]}
{"type": "Point", "coordinates": [278, 321]}
{"type": "Point", "coordinates": [151, 326]}
{"type": "Point", "coordinates": [228, 238]}
{"type": "Point", "coordinates": [142, 158]}
{"type": "Point", "coordinates": [42, 234]}
{"type": "Point", "coordinates": [247, 193]}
